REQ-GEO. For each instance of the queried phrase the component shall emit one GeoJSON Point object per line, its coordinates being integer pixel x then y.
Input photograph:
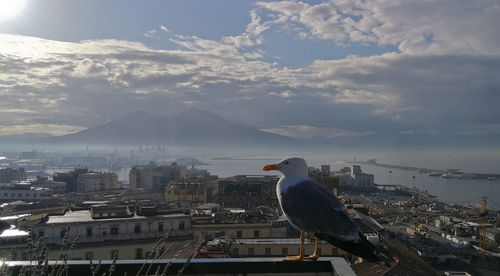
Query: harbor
{"type": "Point", "coordinates": [448, 173]}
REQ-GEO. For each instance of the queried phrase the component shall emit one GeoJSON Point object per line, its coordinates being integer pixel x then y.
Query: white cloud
{"type": "Point", "coordinates": [88, 68]}
{"type": "Point", "coordinates": [151, 33]}
{"type": "Point", "coordinates": [415, 27]}
{"type": "Point", "coordinates": [163, 28]}
{"type": "Point", "coordinates": [427, 86]}
{"type": "Point", "coordinates": [54, 129]}
{"type": "Point", "coordinates": [307, 131]}
{"type": "Point", "coordinates": [251, 36]}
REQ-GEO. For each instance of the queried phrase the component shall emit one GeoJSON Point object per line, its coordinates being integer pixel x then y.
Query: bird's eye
{"type": "Point", "coordinates": [286, 162]}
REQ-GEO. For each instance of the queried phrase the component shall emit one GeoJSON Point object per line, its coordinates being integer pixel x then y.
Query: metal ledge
{"type": "Point", "coordinates": [231, 266]}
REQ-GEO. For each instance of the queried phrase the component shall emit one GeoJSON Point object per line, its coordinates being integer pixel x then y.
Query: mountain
{"type": "Point", "coordinates": [190, 128]}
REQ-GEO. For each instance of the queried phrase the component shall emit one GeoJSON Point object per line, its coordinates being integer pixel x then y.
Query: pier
{"type": "Point", "coordinates": [373, 162]}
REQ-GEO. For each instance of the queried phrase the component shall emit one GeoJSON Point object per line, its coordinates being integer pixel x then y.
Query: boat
{"type": "Point", "coordinates": [449, 175]}
{"type": "Point", "coordinates": [435, 174]}
{"type": "Point", "coordinates": [467, 176]}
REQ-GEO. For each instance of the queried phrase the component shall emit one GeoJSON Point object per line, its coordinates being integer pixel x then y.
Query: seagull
{"type": "Point", "coordinates": [312, 208]}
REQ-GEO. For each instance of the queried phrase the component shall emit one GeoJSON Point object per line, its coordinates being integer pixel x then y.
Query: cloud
{"type": "Point", "coordinates": [307, 131]}
{"type": "Point", "coordinates": [163, 28]}
{"type": "Point", "coordinates": [251, 36]}
{"type": "Point", "coordinates": [88, 68]}
{"type": "Point", "coordinates": [418, 27]}
{"type": "Point", "coordinates": [151, 33]}
{"type": "Point", "coordinates": [54, 129]}
{"type": "Point", "coordinates": [437, 81]}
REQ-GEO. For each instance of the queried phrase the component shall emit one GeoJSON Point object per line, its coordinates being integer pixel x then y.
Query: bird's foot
{"type": "Point", "coordinates": [293, 258]}
{"type": "Point", "coordinates": [311, 257]}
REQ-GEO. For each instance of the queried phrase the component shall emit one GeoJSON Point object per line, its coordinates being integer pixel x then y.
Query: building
{"type": "Point", "coordinates": [12, 175]}
{"type": "Point", "coordinates": [70, 178]}
{"type": "Point", "coordinates": [279, 247]}
{"type": "Point", "coordinates": [44, 182]}
{"type": "Point", "coordinates": [324, 177]}
{"type": "Point", "coordinates": [247, 191]}
{"type": "Point", "coordinates": [107, 231]}
{"type": "Point", "coordinates": [354, 177]}
{"type": "Point", "coordinates": [152, 177]}
{"type": "Point", "coordinates": [325, 169]}
{"type": "Point", "coordinates": [23, 192]}
{"type": "Point", "coordinates": [192, 189]}
{"type": "Point", "coordinates": [362, 179]}
{"type": "Point", "coordinates": [240, 229]}
{"type": "Point", "coordinates": [29, 155]}
{"type": "Point", "coordinates": [96, 181]}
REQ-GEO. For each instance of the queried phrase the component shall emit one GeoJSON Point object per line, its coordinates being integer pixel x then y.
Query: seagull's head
{"type": "Point", "coordinates": [291, 167]}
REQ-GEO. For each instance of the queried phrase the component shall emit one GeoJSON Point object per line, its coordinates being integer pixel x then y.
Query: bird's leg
{"type": "Point", "coordinates": [315, 255]}
{"type": "Point", "coordinates": [300, 257]}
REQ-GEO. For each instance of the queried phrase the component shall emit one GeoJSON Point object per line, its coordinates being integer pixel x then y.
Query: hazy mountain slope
{"type": "Point", "coordinates": [192, 127]}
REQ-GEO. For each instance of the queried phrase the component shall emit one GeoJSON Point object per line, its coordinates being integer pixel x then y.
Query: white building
{"type": "Point", "coordinates": [96, 181]}
{"type": "Point", "coordinates": [24, 193]}
{"type": "Point", "coordinates": [104, 227]}
{"type": "Point", "coordinates": [152, 177]}
{"type": "Point", "coordinates": [361, 179]}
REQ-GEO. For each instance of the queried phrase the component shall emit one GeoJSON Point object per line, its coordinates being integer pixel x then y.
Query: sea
{"type": "Point", "coordinates": [453, 191]}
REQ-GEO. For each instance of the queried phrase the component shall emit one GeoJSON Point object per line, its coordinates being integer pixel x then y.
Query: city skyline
{"type": "Point", "coordinates": [333, 69]}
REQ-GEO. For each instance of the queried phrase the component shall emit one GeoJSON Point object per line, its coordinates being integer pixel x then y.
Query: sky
{"type": "Point", "coordinates": [313, 68]}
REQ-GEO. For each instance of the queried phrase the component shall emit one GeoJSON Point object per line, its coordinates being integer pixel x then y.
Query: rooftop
{"type": "Point", "coordinates": [85, 216]}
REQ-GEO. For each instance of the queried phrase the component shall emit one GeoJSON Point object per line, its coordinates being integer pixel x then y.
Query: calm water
{"type": "Point", "coordinates": [448, 190]}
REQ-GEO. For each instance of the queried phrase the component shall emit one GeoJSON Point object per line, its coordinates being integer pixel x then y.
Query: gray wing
{"type": "Point", "coordinates": [314, 209]}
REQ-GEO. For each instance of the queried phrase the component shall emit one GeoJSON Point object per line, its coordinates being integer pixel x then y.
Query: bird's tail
{"type": "Point", "coordinates": [363, 249]}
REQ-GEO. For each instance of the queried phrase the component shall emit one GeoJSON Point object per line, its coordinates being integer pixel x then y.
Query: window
{"type": "Point", "coordinates": [284, 251]}
{"type": "Point", "coordinates": [160, 227]}
{"type": "Point", "coordinates": [114, 230]}
{"type": "Point", "coordinates": [251, 251]}
{"type": "Point", "coordinates": [89, 255]}
{"type": "Point", "coordinates": [256, 233]}
{"type": "Point", "coordinates": [181, 225]}
{"type": "Point", "coordinates": [267, 251]}
{"type": "Point", "coordinates": [238, 234]}
{"type": "Point", "coordinates": [235, 252]}
{"type": "Point", "coordinates": [138, 253]}
{"type": "Point", "coordinates": [319, 251]}
{"type": "Point", "coordinates": [137, 228]}
{"type": "Point", "coordinates": [89, 231]}
{"type": "Point", "coordinates": [6, 194]}
{"type": "Point", "coordinates": [335, 251]}
{"type": "Point", "coordinates": [27, 194]}
{"type": "Point", "coordinates": [114, 254]}
{"type": "Point", "coordinates": [62, 233]}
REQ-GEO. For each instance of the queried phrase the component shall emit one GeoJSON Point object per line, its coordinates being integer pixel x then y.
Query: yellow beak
{"type": "Point", "coordinates": [271, 168]}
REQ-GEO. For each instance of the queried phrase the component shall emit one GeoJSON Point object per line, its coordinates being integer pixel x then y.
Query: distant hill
{"type": "Point", "coordinates": [191, 128]}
